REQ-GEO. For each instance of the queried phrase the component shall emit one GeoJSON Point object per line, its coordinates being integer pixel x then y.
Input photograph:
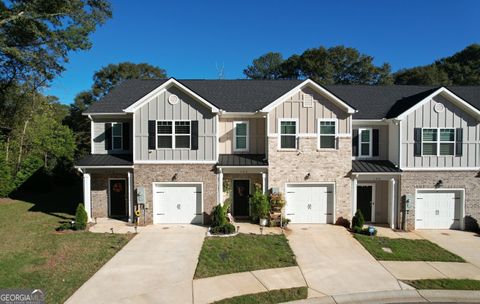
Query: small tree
{"type": "Point", "coordinates": [81, 217]}
{"type": "Point", "coordinates": [358, 220]}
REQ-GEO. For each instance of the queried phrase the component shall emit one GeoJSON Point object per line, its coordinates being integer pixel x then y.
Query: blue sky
{"type": "Point", "coordinates": [190, 39]}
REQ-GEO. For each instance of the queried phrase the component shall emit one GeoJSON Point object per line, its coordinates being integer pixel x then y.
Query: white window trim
{"type": "Point", "coordinates": [438, 142]}
{"type": "Point", "coordinates": [121, 136]}
{"type": "Point", "coordinates": [370, 143]}
{"type": "Point", "coordinates": [280, 134]}
{"type": "Point", "coordinates": [319, 120]}
{"type": "Point", "coordinates": [172, 134]}
{"type": "Point", "coordinates": [246, 149]}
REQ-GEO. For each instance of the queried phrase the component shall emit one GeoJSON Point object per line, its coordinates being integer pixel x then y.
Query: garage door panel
{"type": "Point", "coordinates": [178, 204]}
{"type": "Point", "coordinates": [435, 209]}
{"type": "Point", "coordinates": [308, 203]}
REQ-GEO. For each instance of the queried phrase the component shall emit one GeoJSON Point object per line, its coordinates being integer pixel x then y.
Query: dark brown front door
{"type": "Point", "coordinates": [241, 195]}
{"type": "Point", "coordinates": [118, 201]}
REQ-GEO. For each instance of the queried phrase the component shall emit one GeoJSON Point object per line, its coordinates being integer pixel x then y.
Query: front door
{"type": "Point", "coordinates": [241, 196]}
{"type": "Point", "coordinates": [365, 201]}
{"type": "Point", "coordinates": [118, 201]}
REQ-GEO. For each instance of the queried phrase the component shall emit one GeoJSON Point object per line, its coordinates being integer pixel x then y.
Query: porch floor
{"type": "Point", "coordinates": [105, 225]}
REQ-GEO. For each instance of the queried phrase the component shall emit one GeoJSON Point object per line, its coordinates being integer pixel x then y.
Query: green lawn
{"type": "Point", "coordinates": [269, 297]}
{"type": "Point", "coordinates": [34, 255]}
{"type": "Point", "coordinates": [451, 284]}
{"type": "Point", "coordinates": [244, 252]}
{"type": "Point", "coordinates": [406, 250]}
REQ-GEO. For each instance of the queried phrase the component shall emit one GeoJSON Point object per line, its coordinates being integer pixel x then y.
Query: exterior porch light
{"type": "Point", "coordinates": [174, 177]}
{"type": "Point", "coordinates": [439, 184]}
{"type": "Point", "coordinates": [307, 176]}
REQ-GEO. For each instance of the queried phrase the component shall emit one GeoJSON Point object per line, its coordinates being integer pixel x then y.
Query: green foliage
{"type": "Point", "coordinates": [219, 215]}
{"type": "Point", "coordinates": [364, 231]}
{"type": "Point", "coordinates": [267, 66]}
{"type": "Point", "coordinates": [462, 68]}
{"type": "Point", "coordinates": [259, 205]}
{"type": "Point", "coordinates": [358, 220]}
{"type": "Point", "coordinates": [81, 218]}
{"type": "Point", "coordinates": [226, 228]}
{"type": "Point", "coordinates": [269, 297]}
{"type": "Point", "coordinates": [447, 284]}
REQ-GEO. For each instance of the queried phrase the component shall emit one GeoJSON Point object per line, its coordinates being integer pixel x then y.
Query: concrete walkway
{"type": "Point", "coordinates": [333, 262]}
{"type": "Point", "coordinates": [431, 270]}
{"type": "Point", "coordinates": [398, 296]}
{"type": "Point", "coordinates": [157, 266]}
{"type": "Point", "coordinates": [221, 287]}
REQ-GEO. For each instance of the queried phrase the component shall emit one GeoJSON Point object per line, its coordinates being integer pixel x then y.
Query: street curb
{"type": "Point", "coordinates": [398, 296]}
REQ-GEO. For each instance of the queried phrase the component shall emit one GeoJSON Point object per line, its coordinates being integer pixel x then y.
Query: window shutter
{"type": "Point", "coordinates": [126, 135]}
{"type": "Point", "coordinates": [355, 142]}
{"type": "Point", "coordinates": [417, 136]}
{"type": "Point", "coordinates": [459, 142]}
{"type": "Point", "coordinates": [194, 133]}
{"type": "Point", "coordinates": [151, 135]}
{"type": "Point", "coordinates": [375, 143]}
{"type": "Point", "coordinates": [108, 136]}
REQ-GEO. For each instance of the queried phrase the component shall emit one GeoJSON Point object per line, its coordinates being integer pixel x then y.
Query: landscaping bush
{"type": "Point", "coordinates": [219, 215]}
{"type": "Point", "coordinates": [364, 231]}
{"type": "Point", "coordinates": [81, 218]}
{"type": "Point", "coordinates": [224, 229]}
{"type": "Point", "coordinates": [358, 220]}
{"type": "Point", "coordinates": [259, 205]}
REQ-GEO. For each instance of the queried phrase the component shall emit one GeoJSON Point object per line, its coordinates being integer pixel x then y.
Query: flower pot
{"type": "Point", "coordinates": [263, 222]}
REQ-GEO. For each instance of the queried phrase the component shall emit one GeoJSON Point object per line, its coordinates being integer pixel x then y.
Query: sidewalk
{"type": "Point", "coordinates": [431, 270]}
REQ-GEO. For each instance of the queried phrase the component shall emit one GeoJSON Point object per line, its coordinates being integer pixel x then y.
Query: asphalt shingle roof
{"type": "Point", "coordinates": [372, 102]}
{"type": "Point", "coordinates": [110, 160]}
{"type": "Point", "coordinates": [372, 166]}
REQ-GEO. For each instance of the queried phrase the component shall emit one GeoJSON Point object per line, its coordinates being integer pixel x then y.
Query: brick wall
{"type": "Point", "coordinates": [323, 166]}
{"type": "Point", "coordinates": [99, 190]}
{"type": "Point", "coordinates": [468, 180]}
{"type": "Point", "coordinates": [145, 175]}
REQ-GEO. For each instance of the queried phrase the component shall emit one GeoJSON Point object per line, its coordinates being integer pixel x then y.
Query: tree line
{"type": "Point", "coordinates": [40, 134]}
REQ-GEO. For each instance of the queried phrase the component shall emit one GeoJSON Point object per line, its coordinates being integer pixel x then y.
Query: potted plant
{"type": "Point", "coordinates": [277, 201]}
{"type": "Point", "coordinates": [260, 206]}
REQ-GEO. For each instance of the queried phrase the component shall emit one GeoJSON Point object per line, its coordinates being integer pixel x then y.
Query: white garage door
{"type": "Point", "coordinates": [309, 203]}
{"type": "Point", "coordinates": [437, 209]}
{"type": "Point", "coordinates": [177, 203]}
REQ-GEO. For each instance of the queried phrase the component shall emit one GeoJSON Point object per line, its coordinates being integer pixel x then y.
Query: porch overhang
{"type": "Point", "coordinates": [374, 167]}
{"type": "Point", "coordinates": [104, 161]}
{"type": "Point", "coordinates": [242, 161]}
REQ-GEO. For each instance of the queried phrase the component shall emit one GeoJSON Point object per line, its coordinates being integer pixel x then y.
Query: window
{"type": "Point", "coordinates": [116, 136]}
{"type": "Point", "coordinates": [365, 142]}
{"type": "Point", "coordinates": [240, 135]}
{"type": "Point", "coordinates": [438, 141]}
{"type": "Point", "coordinates": [327, 134]}
{"type": "Point", "coordinates": [173, 134]}
{"type": "Point", "coordinates": [288, 134]}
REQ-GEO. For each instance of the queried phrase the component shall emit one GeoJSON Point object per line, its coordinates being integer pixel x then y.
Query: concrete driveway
{"type": "Point", "coordinates": [463, 243]}
{"type": "Point", "coordinates": [334, 263]}
{"type": "Point", "coordinates": [157, 266]}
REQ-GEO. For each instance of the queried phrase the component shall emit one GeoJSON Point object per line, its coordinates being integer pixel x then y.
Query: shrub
{"type": "Point", "coordinates": [364, 231]}
{"type": "Point", "coordinates": [259, 205]}
{"type": "Point", "coordinates": [358, 220]}
{"type": "Point", "coordinates": [219, 215]}
{"type": "Point", "coordinates": [81, 218]}
{"type": "Point", "coordinates": [225, 229]}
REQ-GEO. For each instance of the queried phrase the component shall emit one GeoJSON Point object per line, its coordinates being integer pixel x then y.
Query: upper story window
{"type": "Point", "coordinates": [173, 134]}
{"type": "Point", "coordinates": [117, 136]}
{"type": "Point", "coordinates": [240, 129]}
{"type": "Point", "coordinates": [327, 134]}
{"type": "Point", "coordinates": [288, 134]}
{"type": "Point", "coordinates": [365, 142]}
{"type": "Point", "coordinates": [438, 141]}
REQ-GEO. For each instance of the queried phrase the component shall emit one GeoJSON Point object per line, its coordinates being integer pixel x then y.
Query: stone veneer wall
{"type": "Point", "coordinates": [99, 189]}
{"type": "Point", "coordinates": [145, 175]}
{"type": "Point", "coordinates": [468, 180]}
{"type": "Point", "coordinates": [323, 166]}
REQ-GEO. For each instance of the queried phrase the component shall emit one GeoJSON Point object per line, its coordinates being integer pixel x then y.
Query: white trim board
{"type": "Point", "coordinates": [177, 162]}
{"type": "Point", "coordinates": [163, 87]}
{"type": "Point", "coordinates": [315, 86]}
{"type": "Point", "coordinates": [406, 169]}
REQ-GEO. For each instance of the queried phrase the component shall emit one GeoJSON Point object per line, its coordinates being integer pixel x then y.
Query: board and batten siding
{"type": "Point", "coordinates": [187, 108]}
{"type": "Point", "coordinates": [452, 117]}
{"type": "Point", "coordinates": [99, 134]}
{"type": "Point", "coordinates": [307, 116]}
{"type": "Point", "coordinates": [256, 135]}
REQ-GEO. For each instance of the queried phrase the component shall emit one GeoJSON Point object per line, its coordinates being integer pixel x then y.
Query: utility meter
{"type": "Point", "coordinates": [141, 195]}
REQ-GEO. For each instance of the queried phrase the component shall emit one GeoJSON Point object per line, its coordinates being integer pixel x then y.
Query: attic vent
{"type": "Point", "coordinates": [438, 107]}
{"type": "Point", "coordinates": [307, 100]}
{"type": "Point", "coordinates": [173, 99]}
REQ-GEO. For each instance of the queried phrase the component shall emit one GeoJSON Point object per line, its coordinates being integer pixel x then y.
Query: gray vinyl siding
{"type": "Point", "coordinates": [186, 109]}
{"type": "Point", "coordinates": [451, 117]}
{"type": "Point", "coordinates": [382, 140]}
{"type": "Point", "coordinates": [99, 134]}
{"type": "Point", "coordinates": [393, 143]}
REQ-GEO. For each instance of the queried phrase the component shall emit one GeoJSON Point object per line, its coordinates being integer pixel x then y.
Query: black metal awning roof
{"type": "Point", "coordinates": [374, 166]}
{"type": "Point", "coordinates": [242, 160]}
{"type": "Point", "coordinates": [105, 160]}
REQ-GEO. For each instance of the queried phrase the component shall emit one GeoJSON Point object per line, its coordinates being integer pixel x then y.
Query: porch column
{"type": "Point", "coordinates": [130, 197]}
{"type": "Point", "coordinates": [391, 203]}
{"type": "Point", "coordinates": [264, 182]}
{"type": "Point", "coordinates": [220, 186]}
{"type": "Point", "coordinates": [87, 199]}
{"type": "Point", "coordinates": [354, 194]}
